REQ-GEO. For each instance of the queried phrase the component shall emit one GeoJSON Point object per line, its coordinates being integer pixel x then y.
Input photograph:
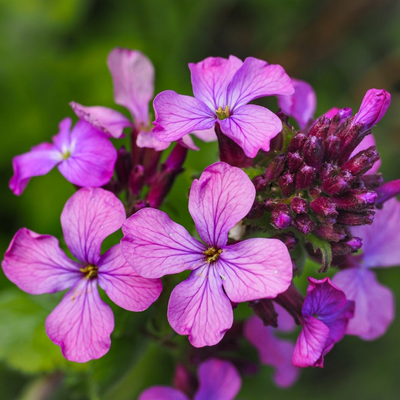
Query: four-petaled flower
{"type": "Point", "coordinates": [200, 306]}
{"type": "Point", "coordinates": [218, 380]}
{"type": "Point", "coordinates": [222, 89]}
{"type": "Point", "coordinates": [82, 323]}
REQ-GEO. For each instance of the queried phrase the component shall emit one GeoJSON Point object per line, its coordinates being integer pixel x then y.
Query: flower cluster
{"type": "Point", "coordinates": [314, 190]}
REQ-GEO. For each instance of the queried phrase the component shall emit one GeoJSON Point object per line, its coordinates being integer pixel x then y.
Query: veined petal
{"type": "Point", "coordinates": [310, 345]}
{"type": "Point", "coordinates": [123, 285]}
{"type": "Point", "coordinates": [90, 151]}
{"type": "Point", "coordinates": [38, 161]}
{"type": "Point", "coordinates": [162, 393]}
{"type": "Point", "coordinates": [133, 78]}
{"type": "Point", "coordinates": [198, 307]}
{"type": "Point", "coordinates": [219, 380]}
{"type": "Point", "coordinates": [187, 141]}
{"type": "Point", "coordinates": [383, 249]}
{"type": "Point", "coordinates": [155, 246]}
{"type": "Point", "coordinates": [178, 115]}
{"type": "Point", "coordinates": [301, 104]}
{"type": "Point", "coordinates": [252, 128]}
{"type": "Point", "coordinates": [272, 351]}
{"type": "Point", "coordinates": [104, 119]}
{"type": "Point", "coordinates": [36, 264]}
{"type": "Point", "coordinates": [366, 143]}
{"type": "Point", "coordinates": [88, 217]}
{"type": "Point", "coordinates": [211, 77]}
{"type": "Point", "coordinates": [255, 269]}
{"type": "Point", "coordinates": [219, 200]}
{"type": "Point", "coordinates": [82, 323]}
{"type": "Point", "coordinates": [207, 135]}
{"type": "Point", "coordinates": [148, 139]}
{"type": "Point", "coordinates": [374, 310]}
{"type": "Point", "coordinates": [256, 78]}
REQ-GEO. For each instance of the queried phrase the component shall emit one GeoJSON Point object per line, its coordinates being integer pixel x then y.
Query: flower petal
{"type": "Point", "coordinates": [208, 135]}
{"type": "Point", "coordinates": [211, 77]}
{"type": "Point", "coordinates": [219, 380]}
{"type": "Point", "coordinates": [62, 141]}
{"type": "Point", "coordinates": [301, 104]}
{"type": "Point", "coordinates": [198, 307]}
{"type": "Point", "coordinates": [374, 310]}
{"type": "Point", "coordinates": [39, 161]}
{"type": "Point", "coordinates": [382, 250]}
{"type": "Point", "coordinates": [104, 119]}
{"type": "Point", "coordinates": [252, 128]}
{"type": "Point", "coordinates": [219, 200]}
{"type": "Point", "coordinates": [133, 78]}
{"type": "Point", "coordinates": [187, 141]}
{"type": "Point", "coordinates": [178, 115]}
{"type": "Point", "coordinates": [162, 393]}
{"type": "Point", "coordinates": [272, 351]}
{"type": "Point", "coordinates": [257, 79]}
{"type": "Point", "coordinates": [90, 151]}
{"type": "Point", "coordinates": [36, 264]}
{"type": "Point", "coordinates": [255, 269]}
{"type": "Point", "coordinates": [310, 344]}
{"type": "Point", "coordinates": [88, 217]}
{"type": "Point", "coordinates": [148, 139]}
{"type": "Point", "coordinates": [366, 143]}
{"type": "Point", "coordinates": [155, 246]}
{"type": "Point", "coordinates": [82, 323]}
{"type": "Point", "coordinates": [123, 285]}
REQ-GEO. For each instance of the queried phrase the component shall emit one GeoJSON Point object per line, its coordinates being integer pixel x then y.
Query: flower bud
{"type": "Point", "coordinates": [269, 204]}
{"type": "Point", "coordinates": [373, 182]}
{"type": "Point", "coordinates": [361, 162]}
{"type": "Point", "coordinates": [355, 218]}
{"type": "Point", "coordinates": [323, 206]}
{"type": "Point", "coordinates": [313, 152]}
{"type": "Point", "coordinates": [305, 177]}
{"type": "Point", "coordinates": [320, 127]}
{"type": "Point", "coordinates": [303, 223]}
{"type": "Point", "coordinates": [260, 183]}
{"type": "Point", "coordinates": [297, 142]}
{"type": "Point", "coordinates": [331, 233]}
{"type": "Point", "coordinates": [373, 107]}
{"type": "Point", "coordinates": [292, 301]}
{"type": "Point", "coordinates": [265, 310]}
{"type": "Point", "coordinates": [337, 184]}
{"type": "Point", "coordinates": [275, 167]}
{"type": "Point", "coordinates": [136, 179]}
{"type": "Point", "coordinates": [286, 183]}
{"type": "Point", "coordinates": [281, 216]}
{"type": "Point", "coordinates": [355, 199]}
{"type": "Point", "coordinates": [299, 205]}
{"type": "Point", "coordinates": [288, 238]}
{"type": "Point", "coordinates": [294, 161]}
{"type": "Point", "coordinates": [387, 191]}
{"type": "Point", "coordinates": [350, 246]}
{"type": "Point", "coordinates": [123, 166]}
{"type": "Point", "coordinates": [256, 211]}
{"type": "Point", "coordinates": [327, 171]}
{"type": "Point", "coordinates": [332, 145]}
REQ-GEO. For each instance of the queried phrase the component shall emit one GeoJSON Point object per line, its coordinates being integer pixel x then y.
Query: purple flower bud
{"type": "Point", "coordinates": [299, 205]}
{"type": "Point", "coordinates": [288, 238]}
{"type": "Point", "coordinates": [320, 127]}
{"type": "Point", "coordinates": [313, 152]}
{"type": "Point", "coordinates": [136, 179]}
{"type": "Point", "coordinates": [256, 211]}
{"type": "Point", "coordinates": [275, 167]}
{"type": "Point", "coordinates": [294, 161]}
{"type": "Point", "coordinates": [305, 177]}
{"type": "Point", "coordinates": [265, 310]}
{"type": "Point", "coordinates": [314, 191]}
{"type": "Point", "coordinates": [123, 165]}
{"type": "Point", "coordinates": [332, 145]}
{"type": "Point", "coordinates": [331, 233]}
{"type": "Point", "coordinates": [303, 223]}
{"type": "Point", "coordinates": [286, 183]}
{"type": "Point", "coordinates": [372, 182]}
{"type": "Point", "coordinates": [355, 199]}
{"type": "Point", "coordinates": [349, 246]}
{"type": "Point", "coordinates": [387, 191]}
{"type": "Point", "coordinates": [323, 206]}
{"type": "Point", "coordinates": [361, 162]}
{"type": "Point", "coordinates": [355, 218]}
{"type": "Point", "coordinates": [337, 184]}
{"type": "Point", "coordinates": [297, 142]}
{"type": "Point", "coordinates": [260, 183]}
{"type": "Point", "coordinates": [281, 216]}
{"type": "Point", "coordinates": [269, 204]}
{"type": "Point", "coordinates": [373, 107]}
{"type": "Point", "coordinates": [292, 301]}
{"type": "Point", "coordinates": [327, 171]}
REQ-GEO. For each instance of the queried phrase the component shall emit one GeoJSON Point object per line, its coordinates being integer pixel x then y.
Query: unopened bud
{"type": "Point", "coordinates": [303, 223]}
{"type": "Point", "coordinates": [320, 127]}
{"type": "Point", "coordinates": [265, 310]}
{"type": "Point", "coordinates": [355, 219]}
{"type": "Point", "coordinates": [323, 206]}
{"type": "Point", "coordinates": [281, 217]}
{"type": "Point", "coordinates": [269, 204]}
{"type": "Point", "coordinates": [299, 205]}
{"type": "Point", "coordinates": [297, 142]}
{"type": "Point", "coordinates": [361, 162]}
{"type": "Point", "coordinates": [275, 167]}
{"type": "Point", "coordinates": [286, 183]}
{"type": "Point", "coordinates": [332, 146]}
{"type": "Point", "coordinates": [260, 183]}
{"type": "Point", "coordinates": [305, 177]}
{"type": "Point", "coordinates": [123, 166]}
{"type": "Point", "coordinates": [331, 233]}
{"type": "Point", "coordinates": [327, 171]}
{"type": "Point", "coordinates": [136, 179]}
{"type": "Point", "coordinates": [313, 152]}
{"type": "Point", "coordinates": [372, 181]}
{"type": "Point", "coordinates": [355, 199]}
{"type": "Point", "coordinates": [294, 161]}
{"type": "Point", "coordinates": [288, 238]}
{"type": "Point", "coordinates": [256, 211]}
{"type": "Point", "coordinates": [337, 184]}
{"type": "Point", "coordinates": [349, 246]}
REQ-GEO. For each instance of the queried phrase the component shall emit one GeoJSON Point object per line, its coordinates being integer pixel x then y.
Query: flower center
{"type": "Point", "coordinates": [221, 114]}
{"type": "Point", "coordinates": [90, 271]}
{"type": "Point", "coordinates": [212, 254]}
{"type": "Point", "coordinates": [66, 154]}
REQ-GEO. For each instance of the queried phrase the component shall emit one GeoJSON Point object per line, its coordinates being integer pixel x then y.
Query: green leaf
{"type": "Point", "coordinates": [252, 172]}
{"type": "Point", "coordinates": [325, 248]}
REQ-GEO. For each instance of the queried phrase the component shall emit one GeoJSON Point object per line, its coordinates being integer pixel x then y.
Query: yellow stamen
{"type": "Point", "coordinates": [212, 254]}
{"type": "Point", "coordinates": [221, 114]}
{"type": "Point", "coordinates": [90, 271]}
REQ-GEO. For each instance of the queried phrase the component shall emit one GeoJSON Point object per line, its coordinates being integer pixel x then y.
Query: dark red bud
{"type": "Point", "coordinates": [337, 184]}
{"type": "Point", "coordinates": [275, 167]}
{"type": "Point", "coordinates": [123, 166]}
{"type": "Point", "coordinates": [299, 205]}
{"type": "Point", "coordinates": [349, 246]}
{"type": "Point", "coordinates": [265, 310]}
{"type": "Point", "coordinates": [297, 142]}
{"type": "Point", "coordinates": [361, 162]}
{"type": "Point", "coordinates": [323, 206]}
{"type": "Point", "coordinates": [328, 170]}
{"type": "Point", "coordinates": [288, 239]}
{"type": "Point", "coordinates": [281, 217]}
{"type": "Point", "coordinates": [292, 301]}
{"type": "Point", "coordinates": [286, 183]}
{"type": "Point", "coordinates": [313, 152]}
{"type": "Point", "coordinates": [260, 183]}
{"type": "Point", "coordinates": [331, 233]}
{"type": "Point", "coordinates": [332, 146]}
{"type": "Point", "coordinates": [305, 177]}
{"type": "Point", "coordinates": [320, 127]}
{"type": "Point", "coordinates": [303, 223]}
{"type": "Point", "coordinates": [256, 211]}
{"type": "Point", "coordinates": [355, 219]}
{"type": "Point", "coordinates": [136, 179]}
{"type": "Point", "coordinates": [373, 181]}
{"type": "Point", "coordinates": [355, 199]}
{"type": "Point", "coordinates": [269, 204]}
{"type": "Point", "coordinates": [294, 161]}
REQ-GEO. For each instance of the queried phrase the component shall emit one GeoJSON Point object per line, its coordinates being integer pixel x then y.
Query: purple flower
{"type": "Point", "coordinates": [252, 269]}
{"type": "Point", "coordinates": [271, 349]}
{"type": "Point", "coordinates": [381, 248]}
{"type": "Point", "coordinates": [301, 104]}
{"type": "Point", "coordinates": [222, 89]}
{"type": "Point", "coordinates": [133, 78]}
{"type": "Point", "coordinates": [82, 323]}
{"type": "Point", "coordinates": [76, 153]}
{"type": "Point", "coordinates": [218, 380]}
{"type": "Point", "coordinates": [326, 312]}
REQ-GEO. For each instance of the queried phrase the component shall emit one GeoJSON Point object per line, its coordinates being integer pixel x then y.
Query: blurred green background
{"type": "Point", "coordinates": [53, 52]}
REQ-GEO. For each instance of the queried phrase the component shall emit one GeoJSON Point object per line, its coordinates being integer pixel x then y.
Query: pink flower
{"type": "Point", "coordinates": [253, 269]}
{"type": "Point", "coordinates": [218, 380]}
{"type": "Point", "coordinates": [133, 78]}
{"type": "Point", "coordinates": [326, 312]}
{"type": "Point", "coordinates": [301, 104]}
{"type": "Point", "coordinates": [82, 323]}
{"type": "Point", "coordinates": [222, 89]}
{"type": "Point", "coordinates": [381, 248]}
{"type": "Point", "coordinates": [77, 152]}
{"type": "Point", "coordinates": [271, 349]}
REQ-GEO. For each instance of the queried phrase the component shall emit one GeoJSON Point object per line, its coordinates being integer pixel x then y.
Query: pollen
{"type": "Point", "coordinates": [66, 154]}
{"type": "Point", "coordinates": [212, 254]}
{"type": "Point", "coordinates": [90, 271]}
{"type": "Point", "coordinates": [221, 114]}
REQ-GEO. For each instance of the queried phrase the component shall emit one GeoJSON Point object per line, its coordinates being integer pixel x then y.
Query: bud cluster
{"type": "Point", "coordinates": [315, 187]}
